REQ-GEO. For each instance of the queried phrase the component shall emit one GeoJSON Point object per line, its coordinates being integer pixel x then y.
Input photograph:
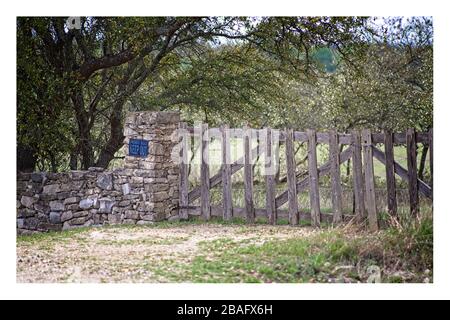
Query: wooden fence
{"type": "Point", "coordinates": [358, 147]}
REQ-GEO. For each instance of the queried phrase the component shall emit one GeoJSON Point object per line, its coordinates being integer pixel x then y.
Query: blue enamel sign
{"type": "Point", "coordinates": [138, 148]}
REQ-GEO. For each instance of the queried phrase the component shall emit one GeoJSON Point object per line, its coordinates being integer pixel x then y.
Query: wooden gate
{"type": "Point", "coordinates": [359, 147]}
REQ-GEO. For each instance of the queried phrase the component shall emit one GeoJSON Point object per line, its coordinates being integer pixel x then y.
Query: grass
{"type": "Point", "coordinates": [229, 251]}
{"type": "Point", "coordinates": [332, 256]}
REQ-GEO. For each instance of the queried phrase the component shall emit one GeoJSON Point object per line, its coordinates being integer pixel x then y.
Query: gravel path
{"type": "Point", "coordinates": [129, 254]}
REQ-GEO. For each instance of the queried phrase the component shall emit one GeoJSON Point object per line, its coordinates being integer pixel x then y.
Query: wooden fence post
{"type": "Point", "coordinates": [248, 177]}
{"type": "Point", "coordinates": [390, 174]}
{"type": "Point", "coordinates": [358, 184]}
{"type": "Point", "coordinates": [412, 171]}
{"type": "Point", "coordinates": [184, 182]}
{"type": "Point", "coordinates": [313, 178]}
{"type": "Point", "coordinates": [430, 142]}
{"type": "Point", "coordinates": [204, 174]}
{"type": "Point", "coordinates": [291, 178]}
{"type": "Point", "coordinates": [336, 188]}
{"type": "Point", "coordinates": [226, 173]}
{"type": "Point", "coordinates": [270, 180]}
{"type": "Point", "coordinates": [370, 180]}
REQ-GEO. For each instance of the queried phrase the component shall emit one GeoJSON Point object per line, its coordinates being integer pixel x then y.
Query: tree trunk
{"type": "Point", "coordinates": [73, 163]}
{"type": "Point", "coordinates": [86, 151]}
{"type": "Point", "coordinates": [53, 163]}
{"type": "Point", "coordinates": [116, 137]}
{"type": "Point", "coordinates": [26, 158]}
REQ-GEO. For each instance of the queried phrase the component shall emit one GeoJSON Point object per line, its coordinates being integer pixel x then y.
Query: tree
{"type": "Point", "coordinates": [75, 86]}
{"type": "Point", "coordinates": [103, 64]}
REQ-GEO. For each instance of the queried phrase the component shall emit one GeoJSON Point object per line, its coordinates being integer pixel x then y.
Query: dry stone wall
{"type": "Point", "coordinates": [143, 191]}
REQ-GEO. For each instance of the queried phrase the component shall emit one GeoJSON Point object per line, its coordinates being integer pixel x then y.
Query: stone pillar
{"type": "Point", "coordinates": [154, 176]}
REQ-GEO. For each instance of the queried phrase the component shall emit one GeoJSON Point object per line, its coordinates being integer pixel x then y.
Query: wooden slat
{"type": "Point", "coordinates": [195, 193]}
{"type": "Point", "coordinates": [322, 137]}
{"type": "Point", "coordinates": [369, 180]}
{"type": "Point", "coordinates": [422, 137]}
{"type": "Point", "coordinates": [184, 182]}
{"type": "Point", "coordinates": [303, 184]}
{"type": "Point", "coordinates": [345, 138]}
{"type": "Point", "coordinates": [390, 173]}
{"type": "Point", "coordinates": [291, 178]}
{"type": "Point", "coordinates": [270, 179]}
{"type": "Point", "coordinates": [336, 188]}
{"type": "Point", "coordinates": [430, 141]}
{"type": "Point", "coordinates": [411, 149]}
{"type": "Point", "coordinates": [226, 174]}
{"type": "Point", "coordinates": [217, 211]}
{"type": "Point", "coordinates": [313, 178]}
{"type": "Point", "coordinates": [281, 135]}
{"type": "Point", "coordinates": [399, 138]}
{"type": "Point", "coordinates": [358, 181]}
{"type": "Point", "coordinates": [204, 173]}
{"type": "Point", "coordinates": [248, 177]}
{"type": "Point", "coordinates": [403, 173]}
{"type": "Point", "coordinates": [300, 136]}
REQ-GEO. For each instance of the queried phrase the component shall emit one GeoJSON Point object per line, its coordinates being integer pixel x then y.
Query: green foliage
{"type": "Point", "coordinates": [230, 84]}
{"type": "Point", "coordinates": [75, 86]}
{"type": "Point", "coordinates": [43, 122]}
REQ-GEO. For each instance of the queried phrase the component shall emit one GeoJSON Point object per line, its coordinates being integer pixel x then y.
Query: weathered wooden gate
{"type": "Point", "coordinates": [358, 147]}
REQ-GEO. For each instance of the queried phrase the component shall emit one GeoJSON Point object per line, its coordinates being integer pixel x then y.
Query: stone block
{"type": "Point", "coordinates": [105, 181]}
{"type": "Point", "coordinates": [78, 221]}
{"type": "Point", "coordinates": [159, 196]}
{"type": "Point", "coordinates": [67, 215]}
{"type": "Point", "coordinates": [28, 201]}
{"type": "Point", "coordinates": [56, 205]}
{"type": "Point", "coordinates": [144, 222]}
{"type": "Point", "coordinates": [87, 203]}
{"type": "Point", "coordinates": [106, 205]}
{"type": "Point", "coordinates": [88, 223]}
{"type": "Point", "coordinates": [124, 203]}
{"type": "Point", "coordinates": [71, 200]}
{"type": "Point", "coordinates": [51, 189]}
{"type": "Point", "coordinates": [55, 217]}
{"type": "Point", "coordinates": [20, 223]}
{"type": "Point", "coordinates": [131, 214]}
{"type": "Point", "coordinates": [114, 218]}
{"type": "Point", "coordinates": [137, 180]}
{"type": "Point", "coordinates": [147, 217]}
{"type": "Point", "coordinates": [30, 223]}
{"type": "Point", "coordinates": [25, 213]}
{"type": "Point", "coordinates": [37, 177]}
{"type": "Point", "coordinates": [73, 207]}
{"type": "Point", "coordinates": [45, 227]}
{"type": "Point", "coordinates": [78, 214]}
